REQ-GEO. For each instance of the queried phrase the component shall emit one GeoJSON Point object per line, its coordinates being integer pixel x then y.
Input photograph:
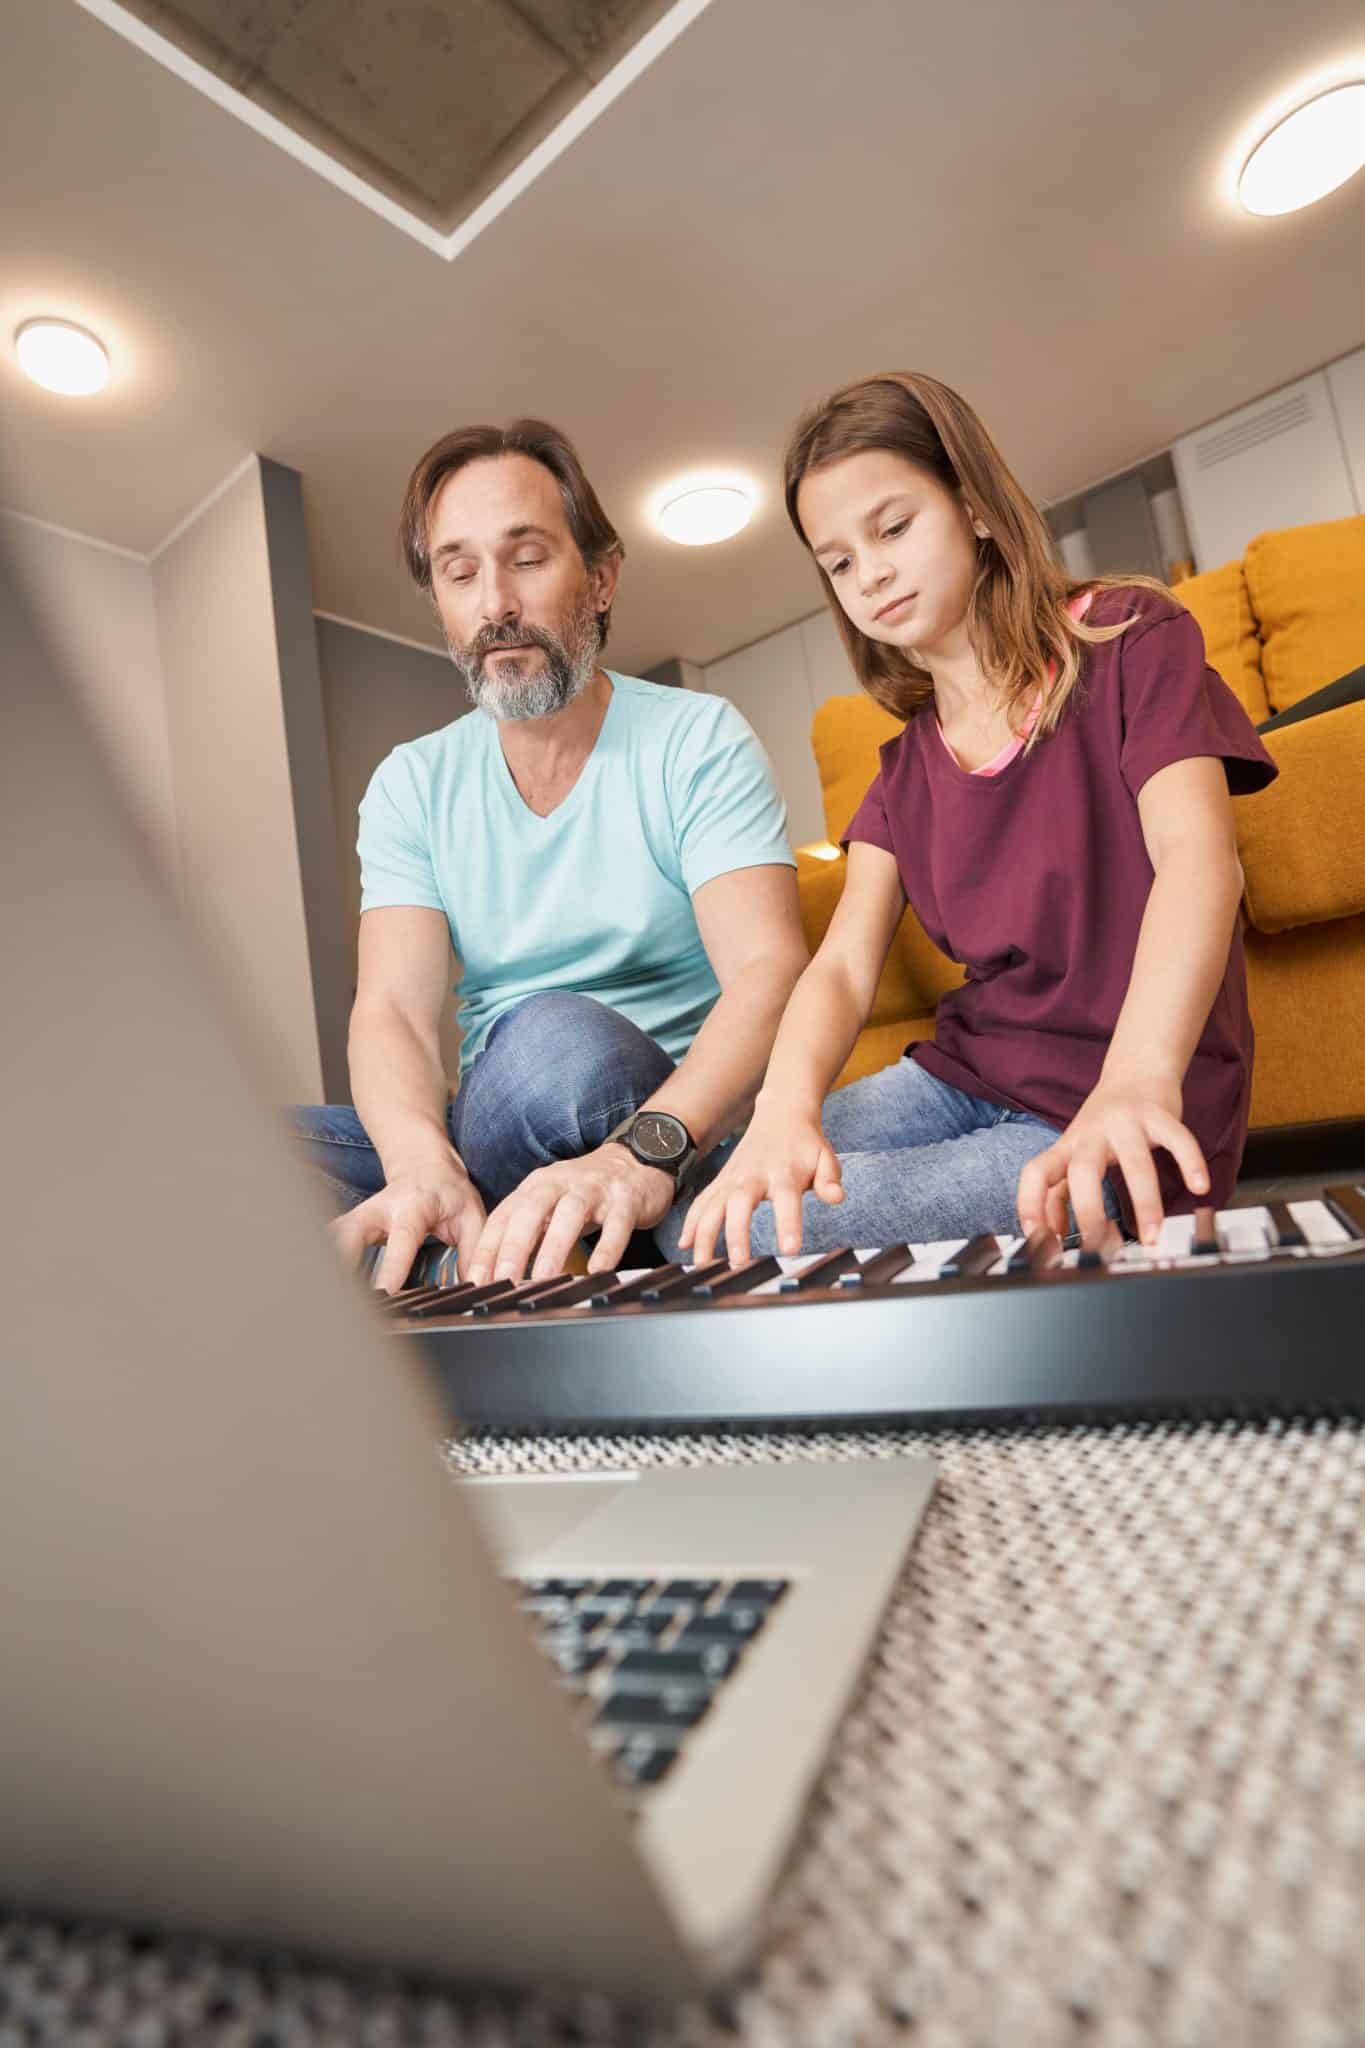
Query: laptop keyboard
{"type": "Point", "coordinates": [647, 1657]}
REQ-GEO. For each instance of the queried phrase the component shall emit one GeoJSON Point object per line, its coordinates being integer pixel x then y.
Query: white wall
{"type": "Point", "coordinates": [97, 607]}
{"type": "Point", "coordinates": [250, 847]}
{"type": "Point", "coordinates": [1346, 383]}
{"type": "Point", "coordinates": [779, 683]}
{"type": "Point", "coordinates": [376, 693]}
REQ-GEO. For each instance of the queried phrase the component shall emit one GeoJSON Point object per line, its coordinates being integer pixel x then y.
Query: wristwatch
{"type": "Point", "coordinates": [656, 1139]}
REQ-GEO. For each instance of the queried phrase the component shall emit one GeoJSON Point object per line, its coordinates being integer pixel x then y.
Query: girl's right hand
{"type": "Point", "coordinates": [773, 1162]}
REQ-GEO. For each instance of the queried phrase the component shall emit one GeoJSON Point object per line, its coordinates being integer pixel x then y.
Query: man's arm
{"type": "Point", "coordinates": [400, 1092]}
{"type": "Point", "coordinates": [750, 926]}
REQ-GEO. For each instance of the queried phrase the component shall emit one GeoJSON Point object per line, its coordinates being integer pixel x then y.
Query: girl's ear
{"type": "Point", "coordinates": [978, 526]}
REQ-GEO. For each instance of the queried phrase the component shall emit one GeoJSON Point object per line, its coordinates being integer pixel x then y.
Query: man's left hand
{"type": "Point", "coordinates": [608, 1189]}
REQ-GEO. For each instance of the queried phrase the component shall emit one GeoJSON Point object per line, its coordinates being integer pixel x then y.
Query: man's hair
{"type": "Point", "coordinates": [594, 535]}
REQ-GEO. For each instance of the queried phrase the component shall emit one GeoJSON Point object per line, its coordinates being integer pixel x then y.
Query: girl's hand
{"type": "Point", "coordinates": [1117, 1125]}
{"type": "Point", "coordinates": [776, 1160]}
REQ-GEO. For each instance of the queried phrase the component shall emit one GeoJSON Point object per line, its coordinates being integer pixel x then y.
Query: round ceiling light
{"type": "Point", "coordinates": [62, 357]}
{"type": "Point", "coordinates": [700, 513]}
{"type": "Point", "coordinates": [1308, 154]}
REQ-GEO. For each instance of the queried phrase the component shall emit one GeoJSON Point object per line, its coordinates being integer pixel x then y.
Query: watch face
{"type": "Point", "coordinates": [655, 1136]}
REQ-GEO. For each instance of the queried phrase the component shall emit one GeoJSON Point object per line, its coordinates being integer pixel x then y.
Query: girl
{"type": "Point", "coordinates": [1056, 810]}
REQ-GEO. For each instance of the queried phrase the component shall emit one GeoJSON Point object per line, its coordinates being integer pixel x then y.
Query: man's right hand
{"type": "Point", "coordinates": [439, 1200]}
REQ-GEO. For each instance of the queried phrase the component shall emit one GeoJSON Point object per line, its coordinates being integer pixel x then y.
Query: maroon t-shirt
{"type": "Point", "coordinates": [1037, 878]}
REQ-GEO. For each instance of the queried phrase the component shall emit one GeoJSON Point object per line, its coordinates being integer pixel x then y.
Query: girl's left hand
{"type": "Point", "coordinates": [1117, 1125]}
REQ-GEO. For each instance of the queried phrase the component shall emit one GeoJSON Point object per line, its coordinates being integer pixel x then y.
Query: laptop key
{"type": "Point", "coordinates": [672, 1707]}
{"type": "Point", "coordinates": [578, 1662]}
{"type": "Point", "coordinates": [644, 1761]}
{"type": "Point", "coordinates": [755, 1592]}
{"type": "Point", "coordinates": [645, 1670]}
{"type": "Point", "coordinates": [686, 1593]}
{"type": "Point", "coordinates": [624, 1589]}
{"type": "Point", "coordinates": [639, 1631]}
{"type": "Point", "coordinates": [729, 1625]}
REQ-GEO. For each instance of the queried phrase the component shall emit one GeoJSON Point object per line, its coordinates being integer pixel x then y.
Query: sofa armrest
{"type": "Point", "coordinates": [1302, 841]}
{"type": "Point", "coordinates": [819, 885]}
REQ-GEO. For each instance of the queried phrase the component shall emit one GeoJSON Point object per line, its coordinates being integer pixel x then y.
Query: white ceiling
{"type": "Point", "coordinates": [1029, 200]}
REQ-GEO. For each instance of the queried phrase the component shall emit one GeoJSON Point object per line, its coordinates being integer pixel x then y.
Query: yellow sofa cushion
{"type": "Point", "coordinates": [845, 735]}
{"type": "Point", "coordinates": [916, 973]}
{"type": "Point", "coordinates": [1307, 989]}
{"type": "Point", "coordinates": [1221, 606]}
{"type": "Point", "coordinates": [1307, 589]}
{"type": "Point", "coordinates": [1302, 841]}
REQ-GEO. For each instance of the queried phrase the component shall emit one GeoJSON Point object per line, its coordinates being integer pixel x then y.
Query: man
{"type": "Point", "coordinates": [608, 859]}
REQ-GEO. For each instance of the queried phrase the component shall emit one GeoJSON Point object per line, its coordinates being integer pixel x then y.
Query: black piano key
{"type": "Point", "coordinates": [529, 1291]}
{"type": "Point", "coordinates": [978, 1255]}
{"type": "Point", "coordinates": [1102, 1253]}
{"type": "Point", "coordinates": [883, 1266]}
{"type": "Point", "coordinates": [1284, 1226]}
{"type": "Point", "coordinates": [1204, 1244]}
{"type": "Point", "coordinates": [611, 1293]}
{"type": "Point", "coordinates": [411, 1297]}
{"type": "Point", "coordinates": [457, 1301]}
{"type": "Point", "coordinates": [1347, 1204]}
{"type": "Point", "coordinates": [739, 1279]}
{"type": "Point", "coordinates": [675, 1706]}
{"type": "Point", "coordinates": [566, 1293]}
{"type": "Point", "coordinates": [1039, 1253]}
{"type": "Point", "coordinates": [692, 1276]}
{"type": "Point", "coordinates": [820, 1273]}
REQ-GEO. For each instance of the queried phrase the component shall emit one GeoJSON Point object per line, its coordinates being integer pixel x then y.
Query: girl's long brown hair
{"type": "Point", "coordinates": [1017, 617]}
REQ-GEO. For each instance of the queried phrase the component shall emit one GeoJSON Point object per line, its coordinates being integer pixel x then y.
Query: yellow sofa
{"type": "Point", "coordinates": [1282, 622]}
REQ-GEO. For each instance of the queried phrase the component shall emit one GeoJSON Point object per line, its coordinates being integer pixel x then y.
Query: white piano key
{"type": "Point", "coordinates": [1245, 1233]}
{"type": "Point", "coordinates": [788, 1265]}
{"type": "Point", "coordinates": [1177, 1235]}
{"type": "Point", "coordinates": [928, 1259]}
{"type": "Point", "coordinates": [1319, 1225]}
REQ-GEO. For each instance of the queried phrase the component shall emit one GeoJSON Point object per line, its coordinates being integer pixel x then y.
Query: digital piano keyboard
{"type": "Point", "coordinates": [1250, 1312]}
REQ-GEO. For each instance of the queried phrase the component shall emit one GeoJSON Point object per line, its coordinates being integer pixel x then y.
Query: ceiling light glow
{"type": "Point", "coordinates": [704, 510]}
{"type": "Point", "coordinates": [62, 357]}
{"type": "Point", "coordinates": [1308, 154]}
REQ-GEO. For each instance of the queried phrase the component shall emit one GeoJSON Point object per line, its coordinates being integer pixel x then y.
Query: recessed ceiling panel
{"type": "Point", "coordinates": [433, 101]}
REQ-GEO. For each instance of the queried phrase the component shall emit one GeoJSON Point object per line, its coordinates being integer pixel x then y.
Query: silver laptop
{"type": "Point", "coordinates": [262, 1671]}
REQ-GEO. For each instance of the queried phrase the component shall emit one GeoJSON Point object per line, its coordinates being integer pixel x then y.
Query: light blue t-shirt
{"type": "Point", "coordinates": [596, 898]}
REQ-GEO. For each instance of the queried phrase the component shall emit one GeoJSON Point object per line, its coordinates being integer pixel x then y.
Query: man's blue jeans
{"type": "Point", "coordinates": [921, 1161]}
{"type": "Point", "coordinates": [555, 1075]}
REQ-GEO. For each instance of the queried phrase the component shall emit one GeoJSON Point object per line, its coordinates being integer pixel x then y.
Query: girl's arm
{"type": "Point", "coordinates": [783, 1152]}
{"type": "Point", "coordinates": [1180, 961]}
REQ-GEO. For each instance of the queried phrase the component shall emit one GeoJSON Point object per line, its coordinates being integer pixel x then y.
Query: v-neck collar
{"type": "Point", "coordinates": [572, 796]}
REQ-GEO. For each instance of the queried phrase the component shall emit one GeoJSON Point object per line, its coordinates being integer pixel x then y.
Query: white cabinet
{"type": "Point", "coordinates": [770, 685]}
{"type": "Point", "coordinates": [1346, 383]}
{"type": "Point", "coordinates": [1278, 462]}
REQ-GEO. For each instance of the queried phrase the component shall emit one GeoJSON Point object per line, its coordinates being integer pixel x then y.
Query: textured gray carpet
{"type": "Point", "coordinates": [1103, 1782]}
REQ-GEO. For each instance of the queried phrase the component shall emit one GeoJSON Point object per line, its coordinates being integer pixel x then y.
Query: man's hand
{"type": "Point", "coordinates": [436, 1200]}
{"type": "Point", "coordinates": [1118, 1124]}
{"type": "Point", "coordinates": [553, 1207]}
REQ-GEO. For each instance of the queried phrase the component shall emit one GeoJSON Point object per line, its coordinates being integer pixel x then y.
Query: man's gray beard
{"type": "Point", "coordinates": [570, 665]}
